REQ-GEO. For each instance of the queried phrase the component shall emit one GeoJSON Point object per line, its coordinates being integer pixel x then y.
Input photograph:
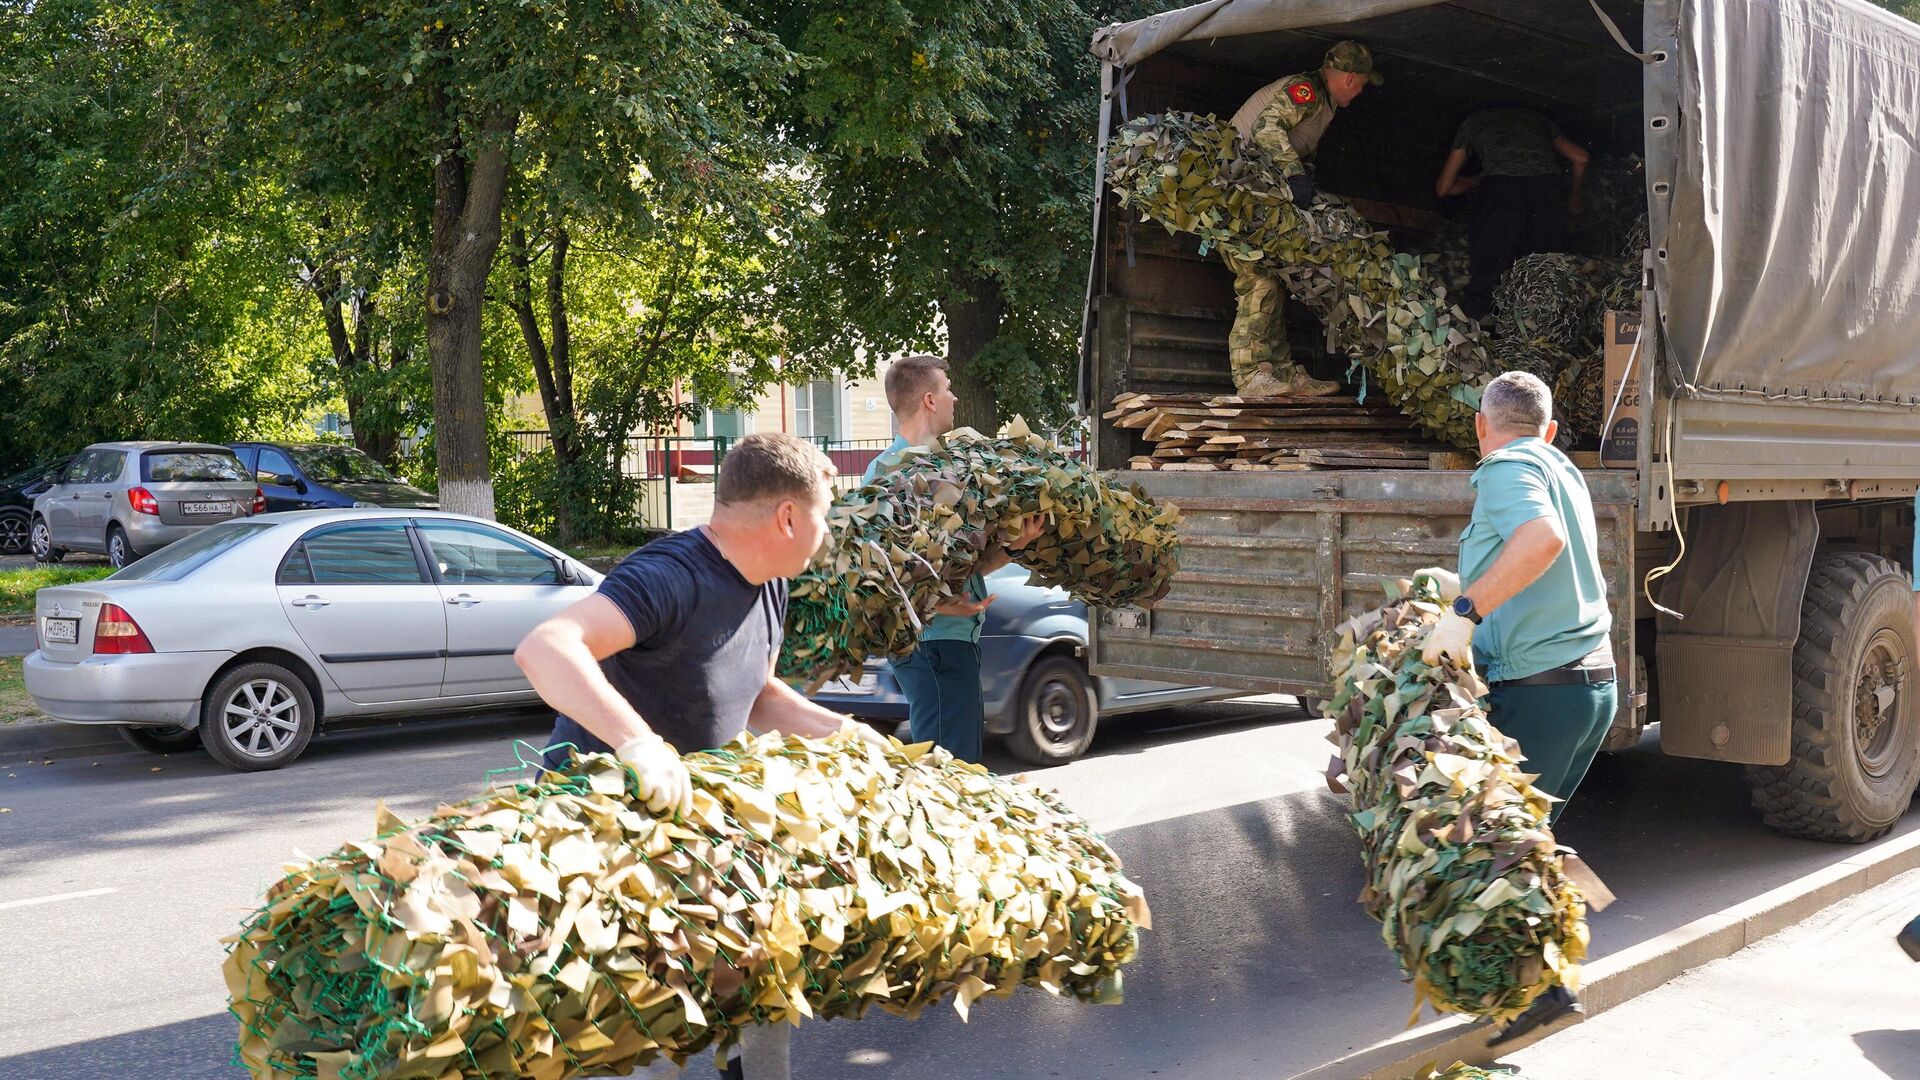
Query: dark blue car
{"type": "Point", "coordinates": [325, 476]}
{"type": "Point", "coordinates": [1033, 676]}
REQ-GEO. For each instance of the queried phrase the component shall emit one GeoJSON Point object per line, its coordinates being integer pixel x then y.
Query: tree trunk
{"type": "Point", "coordinates": [470, 182]}
{"type": "Point", "coordinates": [972, 312]}
{"type": "Point", "coordinates": [353, 356]}
{"type": "Point", "coordinates": [552, 365]}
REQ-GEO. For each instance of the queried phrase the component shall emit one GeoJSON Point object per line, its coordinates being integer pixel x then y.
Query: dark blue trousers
{"type": "Point", "coordinates": [941, 680]}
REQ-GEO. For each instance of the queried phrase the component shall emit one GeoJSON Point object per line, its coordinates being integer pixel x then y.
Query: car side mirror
{"type": "Point", "coordinates": [562, 571]}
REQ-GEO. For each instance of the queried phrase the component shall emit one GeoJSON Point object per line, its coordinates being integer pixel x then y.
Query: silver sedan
{"type": "Point", "coordinates": [246, 636]}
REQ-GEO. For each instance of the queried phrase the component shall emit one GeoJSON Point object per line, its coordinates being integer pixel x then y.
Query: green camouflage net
{"type": "Point", "coordinates": [1580, 397]}
{"type": "Point", "coordinates": [1383, 309]}
{"type": "Point", "coordinates": [1548, 298]}
{"type": "Point", "coordinates": [1616, 194]}
{"type": "Point", "coordinates": [1543, 359]}
{"type": "Point", "coordinates": [556, 929]}
{"type": "Point", "coordinates": [1471, 890]}
{"type": "Point", "coordinates": [910, 539]}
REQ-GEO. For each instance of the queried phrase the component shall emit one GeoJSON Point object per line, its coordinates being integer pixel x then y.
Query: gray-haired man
{"type": "Point", "coordinates": [1535, 592]}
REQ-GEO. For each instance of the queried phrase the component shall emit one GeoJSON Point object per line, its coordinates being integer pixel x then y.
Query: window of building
{"type": "Point", "coordinates": [726, 423]}
{"type": "Point", "coordinates": [818, 410]}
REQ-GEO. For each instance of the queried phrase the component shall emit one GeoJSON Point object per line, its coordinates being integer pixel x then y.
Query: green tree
{"type": "Point", "coordinates": [953, 154]}
{"type": "Point", "coordinates": [139, 293]}
{"type": "Point", "coordinates": [443, 104]}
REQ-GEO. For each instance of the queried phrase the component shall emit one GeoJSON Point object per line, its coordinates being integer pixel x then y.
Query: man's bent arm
{"type": "Point", "coordinates": [783, 709]}
{"type": "Point", "coordinates": [561, 658]}
{"type": "Point", "coordinates": [1527, 554]}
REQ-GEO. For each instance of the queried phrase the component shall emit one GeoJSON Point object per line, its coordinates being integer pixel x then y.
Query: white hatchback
{"type": "Point", "coordinates": [245, 636]}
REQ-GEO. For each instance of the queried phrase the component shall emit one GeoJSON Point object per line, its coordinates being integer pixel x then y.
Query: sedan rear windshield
{"type": "Point", "coordinates": [340, 465]}
{"type": "Point", "coordinates": [168, 466]}
{"type": "Point", "coordinates": [177, 560]}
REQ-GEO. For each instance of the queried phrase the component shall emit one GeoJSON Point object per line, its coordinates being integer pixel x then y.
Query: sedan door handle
{"type": "Point", "coordinates": [464, 600]}
{"type": "Point", "coordinates": [311, 601]}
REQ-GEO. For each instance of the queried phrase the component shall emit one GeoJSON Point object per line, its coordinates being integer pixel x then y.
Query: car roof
{"type": "Point", "coordinates": [307, 518]}
{"type": "Point", "coordinates": [157, 444]}
{"type": "Point", "coordinates": [295, 445]}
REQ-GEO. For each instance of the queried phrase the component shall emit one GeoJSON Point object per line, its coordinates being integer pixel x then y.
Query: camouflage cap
{"type": "Point", "coordinates": [1353, 56]}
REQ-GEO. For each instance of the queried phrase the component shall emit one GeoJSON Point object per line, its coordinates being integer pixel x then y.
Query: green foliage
{"type": "Point", "coordinates": [18, 586]}
{"type": "Point", "coordinates": [138, 292]}
{"type": "Point", "coordinates": [953, 158]}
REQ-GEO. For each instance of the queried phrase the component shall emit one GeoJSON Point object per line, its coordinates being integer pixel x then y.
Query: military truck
{"type": "Point", "coordinates": [1779, 366]}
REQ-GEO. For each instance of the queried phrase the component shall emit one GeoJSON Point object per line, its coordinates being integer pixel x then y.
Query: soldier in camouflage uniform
{"type": "Point", "coordinates": [1286, 118]}
{"type": "Point", "coordinates": [1524, 199]}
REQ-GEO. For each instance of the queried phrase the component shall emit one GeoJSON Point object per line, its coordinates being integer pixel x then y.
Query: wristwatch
{"type": "Point", "coordinates": [1463, 607]}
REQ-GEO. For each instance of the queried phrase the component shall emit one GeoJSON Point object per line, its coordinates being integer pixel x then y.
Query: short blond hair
{"type": "Point", "coordinates": [909, 377]}
{"type": "Point", "coordinates": [771, 466]}
{"type": "Point", "coordinates": [1517, 401]}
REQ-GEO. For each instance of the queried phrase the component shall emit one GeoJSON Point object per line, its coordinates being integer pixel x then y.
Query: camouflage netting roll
{"type": "Point", "coordinates": [555, 929]}
{"type": "Point", "coordinates": [1383, 309]}
{"type": "Point", "coordinates": [1547, 298]}
{"type": "Point", "coordinates": [1580, 397]}
{"type": "Point", "coordinates": [1542, 358]}
{"type": "Point", "coordinates": [909, 540]}
{"type": "Point", "coordinates": [1471, 890]}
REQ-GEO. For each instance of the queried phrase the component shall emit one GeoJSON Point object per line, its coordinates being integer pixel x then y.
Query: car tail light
{"type": "Point", "coordinates": [143, 501]}
{"type": "Point", "coordinates": [116, 634]}
{"type": "Point", "coordinates": [259, 501]}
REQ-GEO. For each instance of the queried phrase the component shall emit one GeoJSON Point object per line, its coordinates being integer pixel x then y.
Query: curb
{"type": "Point", "coordinates": [53, 737]}
{"type": "Point", "coordinates": [1627, 974]}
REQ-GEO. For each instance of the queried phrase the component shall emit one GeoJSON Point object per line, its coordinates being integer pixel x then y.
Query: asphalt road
{"type": "Point", "coordinates": [119, 875]}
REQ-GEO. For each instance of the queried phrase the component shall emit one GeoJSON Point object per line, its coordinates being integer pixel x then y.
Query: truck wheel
{"type": "Point", "coordinates": [1054, 718]}
{"type": "Point", "coordinates": [1856, 731]}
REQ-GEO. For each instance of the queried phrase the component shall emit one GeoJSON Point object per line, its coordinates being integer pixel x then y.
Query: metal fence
{"type": "Point", "coordinates": [671, 476]}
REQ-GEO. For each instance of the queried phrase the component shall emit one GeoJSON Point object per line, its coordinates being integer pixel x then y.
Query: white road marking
{"type": "Point", "coordinates": [6, 905]}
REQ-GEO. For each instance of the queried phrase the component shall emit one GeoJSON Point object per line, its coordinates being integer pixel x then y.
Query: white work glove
{"type": "Point", "coordinates": [664, 781]}
{"type": "Point", "coordinates": [1451, 638]}
{"type": "Point", "coordinates": [1446, 581]}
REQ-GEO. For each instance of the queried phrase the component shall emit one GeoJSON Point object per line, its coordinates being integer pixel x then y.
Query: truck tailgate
{"type": "Point", "coordinates": [1272, 562]}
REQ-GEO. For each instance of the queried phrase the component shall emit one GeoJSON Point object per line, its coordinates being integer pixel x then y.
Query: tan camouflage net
{"type": "Point", "coordinates": [556, 929]}
{"type": "Point", "coordinates": [1472, 892]}
{"type": "Point", "coordinates": [1383, 309]}
{"type": "Point", "coordinates": [1460, 1070]}
{"type": "Point", "coordinates": [910, 539]}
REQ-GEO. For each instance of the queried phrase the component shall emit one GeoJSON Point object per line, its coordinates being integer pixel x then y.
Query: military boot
{"type": "Point", "coordinates": [1292, 381]}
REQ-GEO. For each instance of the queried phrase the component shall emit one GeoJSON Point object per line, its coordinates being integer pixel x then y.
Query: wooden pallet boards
{"type": "Point", "coordinates": [1192, 432]}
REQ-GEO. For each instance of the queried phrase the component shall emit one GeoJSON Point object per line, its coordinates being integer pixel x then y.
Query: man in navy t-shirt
{"type": "Point", "coordinates": [675, 651]}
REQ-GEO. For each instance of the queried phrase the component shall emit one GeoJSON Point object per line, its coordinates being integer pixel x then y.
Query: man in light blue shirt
{"type": "Point", "coordinates": [1533, 615]}
{"type": "Point", "coordinates": [941, 678]}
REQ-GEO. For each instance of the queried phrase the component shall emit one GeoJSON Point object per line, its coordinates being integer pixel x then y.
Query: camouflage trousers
{"type": "Point", "coordinates": [1259, 333]}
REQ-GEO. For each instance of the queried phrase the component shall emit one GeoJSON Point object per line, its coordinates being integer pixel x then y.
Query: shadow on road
{"type": "Point", "coordinates": [1896, 1053]}
{"type": "Point", "coordinates": [196, 1049]}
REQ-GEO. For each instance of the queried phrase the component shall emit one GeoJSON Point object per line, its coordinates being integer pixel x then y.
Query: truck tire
{"type": "Point", "coordinates": [1856, 730]}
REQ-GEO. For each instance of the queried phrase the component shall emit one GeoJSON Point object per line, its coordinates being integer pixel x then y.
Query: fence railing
{"type": "Point", "coordinates": [660, 469]}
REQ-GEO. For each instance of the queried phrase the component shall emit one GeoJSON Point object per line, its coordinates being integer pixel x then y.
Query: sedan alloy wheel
{"type": "Point", "coordinates": [257, 716]}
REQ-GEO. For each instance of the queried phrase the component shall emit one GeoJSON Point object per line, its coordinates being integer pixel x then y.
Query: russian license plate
{"type": "Point", "coordinates": [207, 507]}
{"type": "Point", "coordinates": [60, 631]}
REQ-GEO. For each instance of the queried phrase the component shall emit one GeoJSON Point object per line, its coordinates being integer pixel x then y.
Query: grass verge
{"type": "Point", "coordinates": [15, 706]}
{"type": "Point", "coordinates": [18, 586]}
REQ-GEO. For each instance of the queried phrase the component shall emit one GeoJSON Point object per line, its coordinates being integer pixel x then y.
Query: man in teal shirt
{"type": "Point", "coordinates": [941, 677]}
{"type": "Point", "coordinates": [1538, 601]}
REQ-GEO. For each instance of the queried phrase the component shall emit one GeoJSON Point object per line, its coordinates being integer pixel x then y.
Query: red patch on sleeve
{"type": "Point", "coordinates": [1301, 93]}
